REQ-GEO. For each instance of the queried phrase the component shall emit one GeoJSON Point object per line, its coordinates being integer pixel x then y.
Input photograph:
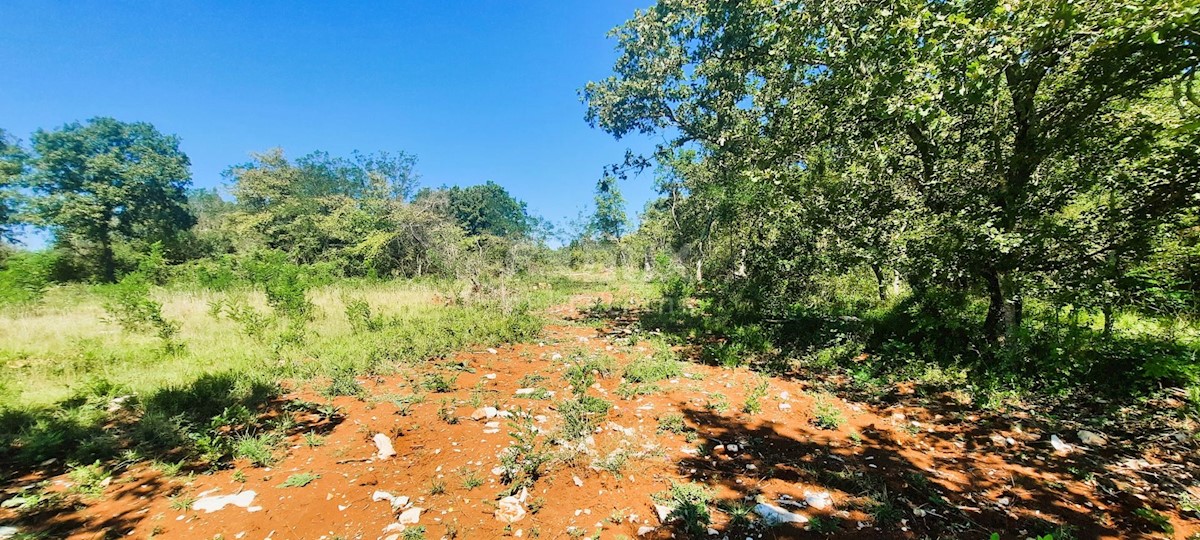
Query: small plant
{"type": "Point", "coordinates": [614, 462]}
{"type": "Point", "coordinates": [312, 440]}
{"type": "Point", "coordinates": [299, 480]}
{"type": "Point", "coordinates": [437, 486]}
{"type": "Point", "coordinates": [530, 380]}
{"type": "Point", "coordinates": [358, 312]}
{"type": "Point", "coordinates": [672, 423]}
{"type": "Point", "coordinates": [522, 462]}
{"type": "Point", "coordinates": [239, 476]}
{"type": "Point", "coordinates": [413, 533]}
{"type": "Point", "coordinates": [471, 479]}
{"type": "Point", "coordinates": [689, 505]}
{"type": "Point", "coordinates": [182, 502]}
{"type": "Point", "coordinates": [342, 382]}
{"type": "Point", "coordinates": [741, 513]}
{"type": "Point", "coordinates": [628, 391]}
{"type": "Point", "coordinates": [717, 403]}
{"type": "Point", "coordinates": [438, 383]}
{"type": "Point", "coordinates": [581, 415]}
{"type": "Point", "coordinates": [654, 368]}
{"type": "Point", "coordinates": [259, 450]}
{"type": "Point", "coordinates": [1156, 519]}
{"type": "Point", "coordinates": [826, 415]}
{"type": "Point", "coordinates": [131, 306]}
{"type": "Point", "coordinates": [90, 480]}
{"type": "Point", "coordinates": [824, 525]}
{"type": "Point", "coordinates": [754, 397]}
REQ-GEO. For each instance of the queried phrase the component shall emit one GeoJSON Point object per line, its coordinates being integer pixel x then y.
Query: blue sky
{"type": "Point", "coordinates": [477, 90]}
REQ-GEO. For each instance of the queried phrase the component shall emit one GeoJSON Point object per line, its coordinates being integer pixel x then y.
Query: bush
{"type": "Point", "coordinates": [581, 415]}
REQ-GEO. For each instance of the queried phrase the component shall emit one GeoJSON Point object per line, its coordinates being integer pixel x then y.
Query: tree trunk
{"type": "Point", "coordinates": [108, 262]}
{"type": "Point", "coordinates": [1005, 307]}
{"type": "Point", "coordinates": [880, 282]}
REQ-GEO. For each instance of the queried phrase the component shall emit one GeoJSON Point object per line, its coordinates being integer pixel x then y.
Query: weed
{"type": "Point", "coordinates": [717, 403]}
{"type": "Point", "coordinates": [689, 504]}
{"type": "Point", "coordinates": [530, 380]}
{"type": "Point", "coordinates": [1156, 519]}
{"type": "Point", "coordinates": [672, 423]}
{"type": "Point", "coordinates": [581, 415]}
{"type": "Point", "coordinates": [654, 368]}
{"type": "Point", "coordinates": [342, 382]}
{"type": "Point", "coordinates": [628, 391]}
{"type": "Point", "coordinates": [824, 525]}
{"type": "Point", "coordinates": [413, 533]}
{"type": "Point", "coordinates": [754, 397]}
{"type": "Point", "coordinates": [312, 440]}
{"type": "Point", "coordinates": [522, 462]}
{"type": "Point", "coordinates": [471, 479]}
{"type": "Point", "coordinates": [260, 450]}
{"type": "Point", "coordinates": [182, 502]}
{"type": "Point", "coordinates": [826, 415]}
{"type": "Point", "coordinates": [89, 480]}
{"type": "Point", "coordinates": [438, 383]}
{"type": "Point", "coordinates": [437, 486]}
{"type": "Point", "coordinates": [299, 480]}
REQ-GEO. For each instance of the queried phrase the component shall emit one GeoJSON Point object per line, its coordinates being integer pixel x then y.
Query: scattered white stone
{"type": "Point", "coordinates": [492, 351]}
{"type": "Point", "coordinates": [577, 480]}
{"type": "Point", "coordinates": [645, 529]}
{"type": "Point", "coordinates": [784, 395]}
{"type": "Point", "coordinates": [510, 510]}
{"type": "Point", "coordinates": [1058, 444]}
{"type": "Point", "coordinates": [484, 413]}
{"type": "Point", "coordinates": [774, 515]}
{"type": "Point", "coordinates": [384, 446]}
{"type": "Point", "coordinates": [8, 531]}
{"type": "Point", "coordinates": [785, 406]}
{"type": "Point", "coordinates": [1091, 439]}
{"type": "Point", "coordinates": [490, 376]}
{"type": "Point", "coordinates": [213, 503]}
{"type": "Point", "coordinates": [556, 356]}
{"type": "Point", "coordinates": [497, 471]}
{"type": "Point", "coordinates": [410, 516]}
{"type": "Point", "coordinates": [818, 499]}
{"type": "Point", "coordinates": [396, 502]}
{"type": "Point", "coordinates": [525, 391]}
{"type": "Point", "coordinates": [713, 532]}
{"type": "Point", "coordinates": [663, 512]}
{"type": "Point", "coordinates": [731, 448]}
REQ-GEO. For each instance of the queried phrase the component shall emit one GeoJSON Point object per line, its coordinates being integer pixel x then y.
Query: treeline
{"type": "Point", "coordinates": [1002, 177]}
{"type": "Point", "coordinates": [111, 194]}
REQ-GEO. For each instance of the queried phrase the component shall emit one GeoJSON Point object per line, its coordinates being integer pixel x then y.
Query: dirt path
{"type": "Point", "coordinates": [890, 472]}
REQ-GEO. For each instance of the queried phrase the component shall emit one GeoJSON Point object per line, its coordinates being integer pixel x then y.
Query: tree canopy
{"type": "Point", "coordinates": [104, 181]}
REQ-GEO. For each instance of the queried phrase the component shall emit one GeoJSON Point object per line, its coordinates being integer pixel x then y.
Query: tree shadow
{"type": "Point", "coordinates": [191, 426]}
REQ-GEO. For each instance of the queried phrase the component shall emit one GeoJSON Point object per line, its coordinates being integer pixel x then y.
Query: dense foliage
{"type": "Point", "coordinates": [978, 157]}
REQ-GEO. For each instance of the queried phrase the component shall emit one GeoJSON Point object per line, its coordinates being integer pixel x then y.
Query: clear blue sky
{"type": "Point", "coordinates": [477, 90]}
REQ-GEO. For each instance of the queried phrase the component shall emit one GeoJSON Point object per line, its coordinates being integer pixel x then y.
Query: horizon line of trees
{"type": "Point", "coordinates": [108, 192]}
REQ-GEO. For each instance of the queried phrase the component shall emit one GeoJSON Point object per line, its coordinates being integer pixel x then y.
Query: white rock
{"type": "Point", "coordinates": [645, 529]}
{"type": "Point", "coordinates": [492, 351]}
{"type": "Point", "coordinates": [731, 447]}
{"type": "Point", "coordinates": [1058, 444]}
{"type": "Point", "coordinates": [384, 446]}
{"type": "Point", "coordinates": [785, 406]}
{"type": "Point", "coordinates": [410, 516]}
{"type": "Point", "coordinates": [216, 502]}
{"type": "Point", "coordinates": [484, 413]}
{"type": "Point", "coordinates": [818, 499]}
{"type": "Point", "coordinates": [774, 515]}
{"type": "Point", "coordinates": [713, 532]}
{"type": "Point", "coordinates": [663, 512]}
{"type": "Point", "coordinates": [491, 376]}
{"type": "Point", "coordinates": [577, 480]}
{"type": "Point", "coordinates": [510, 510]}
{"type": "Point", "coordinates": [1092, 439]}
{"type": "Point", "coordinates": [525, 391]}
{"type": "Point", "coordinates": [8, 531]}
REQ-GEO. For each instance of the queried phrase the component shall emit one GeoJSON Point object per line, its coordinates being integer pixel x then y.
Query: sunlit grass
{"type": "Point", "coordinates": [52, 348]}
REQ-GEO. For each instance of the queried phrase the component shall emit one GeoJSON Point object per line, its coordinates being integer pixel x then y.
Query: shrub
{"type": "Point", "coordinates": [654, 368]}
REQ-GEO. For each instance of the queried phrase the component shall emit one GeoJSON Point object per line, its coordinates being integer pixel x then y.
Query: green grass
{"type": "Point", "coordinates": [659, 366]}
{"type": "Point", "coordinates": [299, 480]}
{"type": "Point", "coordinates": [64, 364]}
